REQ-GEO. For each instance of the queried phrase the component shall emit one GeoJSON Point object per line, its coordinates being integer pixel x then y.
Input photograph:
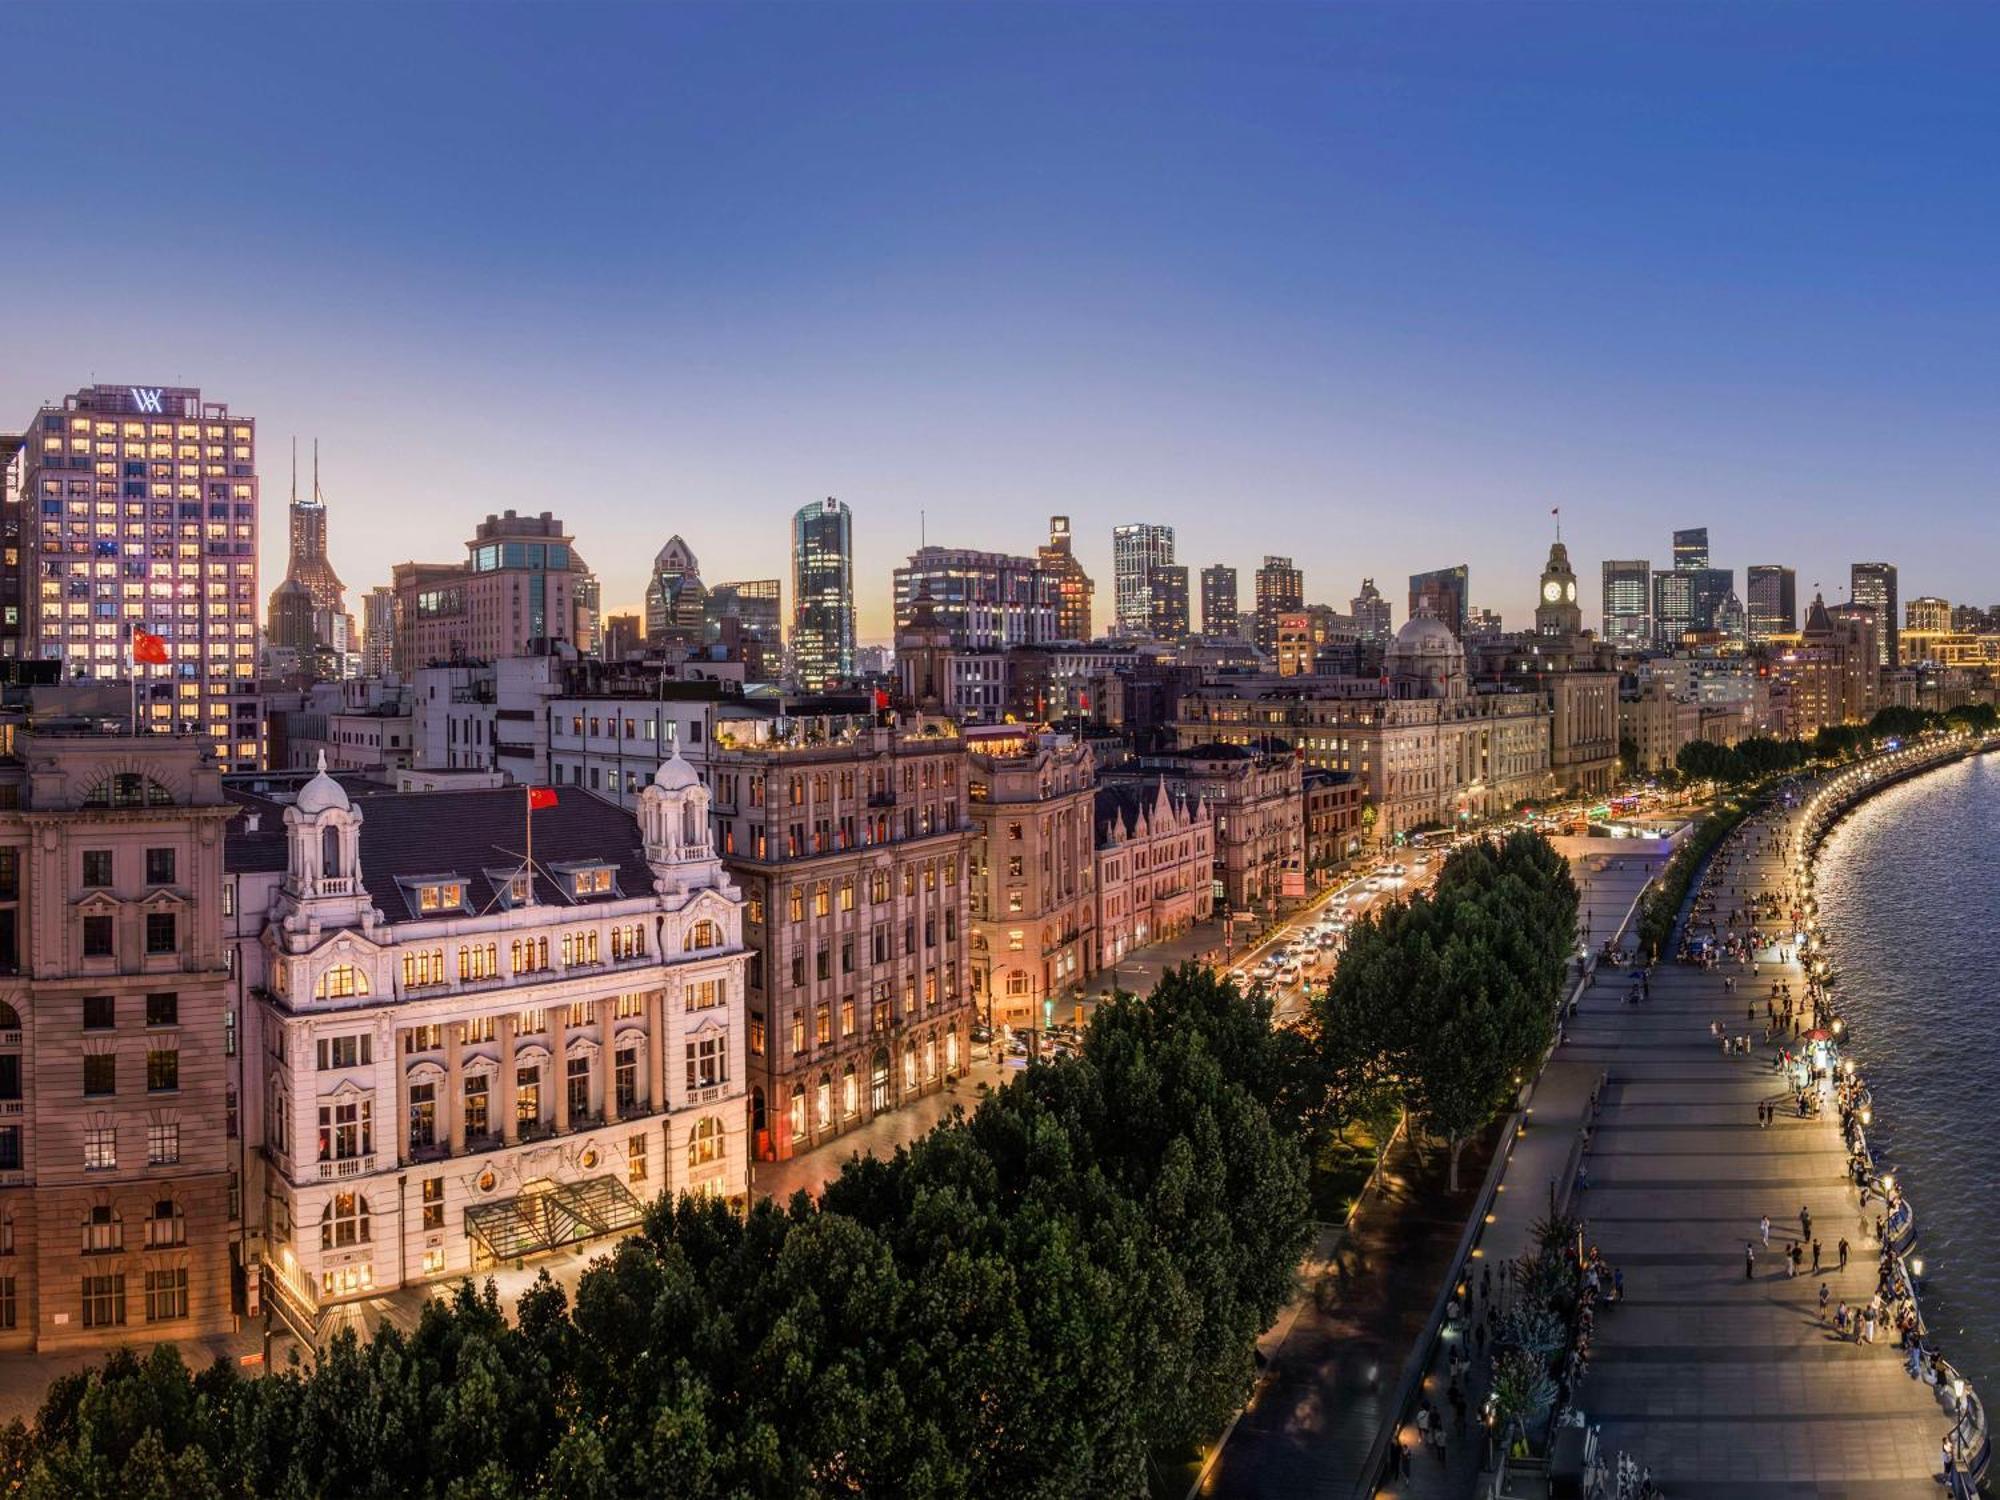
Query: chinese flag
{"type": "Point", "coordinates": [881, 700]}
{"type": "Point", "coordinates": [541, 796]}
{"type": "Point", "coordinates": [147, 647]}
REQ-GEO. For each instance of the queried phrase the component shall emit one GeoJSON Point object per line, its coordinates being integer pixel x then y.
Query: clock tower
{"type": "Point", "coordinates": [1556, 611]}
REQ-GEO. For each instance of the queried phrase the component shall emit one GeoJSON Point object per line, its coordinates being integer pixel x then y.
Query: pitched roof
{"type": "Point", "coordinates": [464, 834]}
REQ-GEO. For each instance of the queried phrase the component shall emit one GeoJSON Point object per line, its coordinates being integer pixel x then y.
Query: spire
{"type": "Point", "coordinates": [295, 468]}
{"type": "Point", "coordinates": [317, 498]}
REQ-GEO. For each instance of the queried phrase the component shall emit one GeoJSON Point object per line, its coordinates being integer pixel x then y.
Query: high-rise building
{"type": "Point", "coordinates": [1444, 594]}
{"type": "Point", "coordinates": [1167, 593]}
{"type": "Point", "coordinates": [1691, 549]}
{"type": "Point", "coordinates": [984, 601]}
{"type": "Point", "coordinates": [514, 595]}
{"type": "Point", "coordinates": [1074, 589]}
{"type": "Point", "coordinates": [1688, 599]}
{"type": "Point", "coordinates": [145, 499]}
{"type": "Point", "coordinates": [822, 592]}
{"type": "Point", "coordinates": [624, 636]}
{"type": "Point", "coordinates": [1371, 615]}
{"type": "Point", "coordinates": [1873, 585]}
{"type": "Point", "coordinates": [11, 445]}
{"type": "Point", "coordinates": [676, 598]}
{"type": "Point", "coordinates": [1628, 602]}
{"type": "Point", "coordinates": [1281, 590]}
{"type": "Point", "coordinates": [378, 618]}
{"type": "Point", "coordinates": [1773, 606]}
{"type": "Point", "coordinates": [1136, 549]}
{"type": "Point", "coordinates": [308, 611]}
{"type": "Point", "coordinates": [1219, 616]}
{"type": "Point", "coordinates": [747, 615]}
{"type": "Point", "coordinates": [309, 563]}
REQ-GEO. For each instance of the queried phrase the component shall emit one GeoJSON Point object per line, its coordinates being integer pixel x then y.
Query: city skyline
{"type": "Point", "coordinates": [1037, 291]}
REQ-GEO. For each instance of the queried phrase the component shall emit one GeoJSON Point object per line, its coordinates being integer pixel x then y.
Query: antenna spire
{"type": "Point", "coordinates": [317, 499]}
{"type": "Point", "coordinates": [295, 468]}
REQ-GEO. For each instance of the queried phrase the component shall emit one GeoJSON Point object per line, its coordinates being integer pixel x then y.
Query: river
{"type": "Point", "coordinates": [1909, 897]}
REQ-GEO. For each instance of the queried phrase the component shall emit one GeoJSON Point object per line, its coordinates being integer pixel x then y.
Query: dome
{"type": "Point", "coordinates": [675, 774]}
{"type": "Point", "coordinates": [1425, 635]}
{"type": "Point", "coordinates": [322, 793]}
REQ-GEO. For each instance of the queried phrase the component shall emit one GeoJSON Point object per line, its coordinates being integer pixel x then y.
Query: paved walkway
{"type": "Point", "coordinates": [1725, 1385]}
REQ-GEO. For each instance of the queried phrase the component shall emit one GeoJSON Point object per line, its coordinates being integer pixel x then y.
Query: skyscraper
{"type": "Point", "coordinates": [1371, 615]}
{"type": "Point", "coordinates": [378, 645]}
{"type": "Point", "coordinates": [1136, 549]}
{"type": "Point", "coordinates": [822, 592]}
{"type": "Point", "coordinates": [1691, 549]}
{"type": "Point", "coordinates": [308, 611]}
{"type": "Point", "coordinates": [1628, 602]}
{"type": "Point", "coordinates": [1928, 613]}
{"type": "Point", "coordinates": [1873, 584]}
{"type": "Point", "coordinates": [1444, 594]}
{"type": "Point", "coordinates": [984, 601]}
{"type": "Point", "coordinates": [676, 598]}
{"type": "Point", "coordinates": [1074, 589]}
{"type": "Point", "coordinates": [1773, 606]}
{"type": "Point", "coordinates": [145, 504]}
{"type": "Point", "coordinates": [1281, 589]}
{"type": "Point", "coordinates": [1167, 595]}
{"type": "Point", "coordinates": [1689, 599]}
{"type": "Point", "coordinates": [1219, 617]}
{"type": "Point", "coordinates": [11, 611]}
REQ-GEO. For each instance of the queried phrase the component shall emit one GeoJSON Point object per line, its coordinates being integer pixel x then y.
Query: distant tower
{"type": "Point", "coordinates": [823, 592]}
{"type": "Point", "coordinates": [1557, 612]}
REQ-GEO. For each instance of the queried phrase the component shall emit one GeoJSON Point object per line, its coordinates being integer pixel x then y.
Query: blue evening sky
{"type": "Point", "coordinates": [1376, 286]}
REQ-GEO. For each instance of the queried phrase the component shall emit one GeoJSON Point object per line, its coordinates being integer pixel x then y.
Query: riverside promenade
{"type": "Point", "coordinates": [1722, 1384]}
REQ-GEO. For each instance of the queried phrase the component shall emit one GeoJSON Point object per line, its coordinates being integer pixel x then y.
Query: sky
{"type": "Point", "coordinates": [1377, 287]}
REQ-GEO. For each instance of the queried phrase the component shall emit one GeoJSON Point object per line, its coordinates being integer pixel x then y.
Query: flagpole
{"type": "Point", "coordinates": [530, 790]}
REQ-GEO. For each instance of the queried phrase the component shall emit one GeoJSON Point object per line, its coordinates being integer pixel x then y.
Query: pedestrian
{"type": "Point", "coordinates": [1805, 1223]}
{"type": "Point", "coordinates": [1749, 1260]}
{"type": "Point", "coordinates": [1815, 1257]}
{"type": "Point", "coordinates": [1765, 1225]}
{"type": "Point", "coordinates": [1823, 1294]}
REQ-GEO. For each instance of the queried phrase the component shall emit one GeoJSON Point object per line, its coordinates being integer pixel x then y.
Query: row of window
{"type": "Point", "coordinates": [100, 934]}
{"type": "Point", "coordinates": [100, 1145]}
{"type": "Point", "coordinates": [100, 868]}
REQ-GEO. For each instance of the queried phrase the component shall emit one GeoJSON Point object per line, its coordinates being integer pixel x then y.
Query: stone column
{"type": "Point", "coordinates": [404, 1145]}
{"type": "Point", "coordinates": [454, 1085]}
{"type": "Point", "coordinates": [656, 1052]}
{"type": "Point", "coordinates": [510, 1127]}
{"type": "Point", "coordinates": [607, 1056]}
{"type": "Point", "coordinates": [558, 1015]}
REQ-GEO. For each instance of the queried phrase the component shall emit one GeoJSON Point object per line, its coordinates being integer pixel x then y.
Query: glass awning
{"type": "Point", "coordinates": [552, 1218]}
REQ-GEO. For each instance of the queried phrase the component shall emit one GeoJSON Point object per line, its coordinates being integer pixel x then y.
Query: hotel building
{"type": "Point", "coordinates": [518, 591]}
{"type": "Point", "coordinates": [139, 508]}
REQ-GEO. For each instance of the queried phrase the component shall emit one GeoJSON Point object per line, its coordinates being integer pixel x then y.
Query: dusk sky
{"type": "Point", "coordinates": [1373, 286]}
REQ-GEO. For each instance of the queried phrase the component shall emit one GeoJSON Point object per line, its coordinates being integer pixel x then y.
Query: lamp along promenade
{"type": "Point", "coordinates": [1769, 1335]}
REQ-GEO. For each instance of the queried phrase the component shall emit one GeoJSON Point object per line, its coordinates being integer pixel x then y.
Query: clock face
{"type": "Point", "coordinates": [1552, 591]}
{"type": "Point", "coordinates": [1569, 592]}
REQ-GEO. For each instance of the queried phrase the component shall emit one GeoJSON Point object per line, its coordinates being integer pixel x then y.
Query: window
{"type": "Point", "coordinates": [344, 1222]}
{"type": "Point", "coordinates": [446, 896]}
{"type": "Point", "coordinates": [478, 1123]}
{"type": "Point", "coordinates": [635, 1159]}
{"type": "Point", "coordinates": [162, 932]}
{"type": "Point", "coordinates": [100, 1073]}
{"type": "Point", "coordinates": [579, 948]}
{"type": "Point", "coordinates": [704, 934]}
{"type": "Point", "coordinates": [10, 1307]}
{"type": "Point", "coordinates": [341, 982]}
{"type": "Point", "coordinates": [104, 1301]}
{"type": "Point", "coordinates": [97, 937]}
{"type": "Point", "coordinates": [166, 1295]}
{"type": "Point", "coordinates": [628, 940]}
{"type": "Point", "coordinates": [345, 1051]}
{"type": "Point", "coordinates": [163, 1070]}
{"type": "Point", "coordinates": [166, 1226]}
{"type": "Point", "coordinates": [707, 1062]}
{"type": "Point", "coordinates": [163, 1010]}
{"type": "Point", "coordinates": [592, 882]}
{"type": "Point", "coordinates": [10, 1151]}
{"type": "Point", "coordinates": [705, 1142]}
{"type": "Point", "coordinates": [96, 869]}
{"type": "Point", "coordinates": [527, 1097]}
{"type": "Point", "coordinates": [103, 1231]}
{"type": "Point", "coordinates": [159, 867]}
{"type": "Point", "coordinates": [423, 1116]}
{"type": "Point", "coordinates": [423, 967]}
{"type": "Point", "coordinates": [100, 1012]}
{"type": "Point", "coordinates": [576, 1078]}
{"type": "Point", "coordinates": [433, 1203]}
{"type": "Point", "coordinates": [530, 955]}
{"type": "Point", "coordinates": [706, 994]}
{"type": "Point", "coordinates": [346, 1129]}
{"type": "Point", "coordinates": [625, 1077]}
{"type": "Point", "coordinates": [479, 961]}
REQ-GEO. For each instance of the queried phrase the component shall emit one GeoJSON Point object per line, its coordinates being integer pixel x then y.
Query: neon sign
{"type": "Point", "coordinates": [147, 400]}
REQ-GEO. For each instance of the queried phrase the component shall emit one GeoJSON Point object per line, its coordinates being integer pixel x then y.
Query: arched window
{"type": "Point", "coordinates": [329, 853]}
{"type": "Point", "coordinates": [704, 934]}
{"type": "Point", "coordinates": [166, 1225]}
{"type": "Point", "coordinates": [690, 825]}
{"type": "Point", "coordinates": [930, 1058]}
{"type": "Point", "coordinates": [910, 1063]}
{"type": "Point", "coordinates": [705, 1143]}
{"type": "Point", "coordinates": [341, 982]}
{"type": "Point", "coordinates": [823, 1101]}
{"type": "Point", "coordinates": [10, 1018]}
{"type": "Point", "coordinates": [343, 1222]}
{"type": "Point", "coordinates": [850, 1093]}
{"type": "Point", "coordinates": [796, 1114]}
{"type": "Point", "coordinates": [128, 789]}
{"type": "Point", "coordinates": [951, 1052]}
{"type": "Point", "coordinates": [103, 1230]}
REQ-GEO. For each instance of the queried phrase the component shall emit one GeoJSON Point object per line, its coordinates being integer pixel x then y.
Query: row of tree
{"type": "Point", "coordinates": [1028, 1302]}
{"type": "Point", "coordinates": [1759, 758]}
{"type": "Point", "coordinates": [1446, 1001]}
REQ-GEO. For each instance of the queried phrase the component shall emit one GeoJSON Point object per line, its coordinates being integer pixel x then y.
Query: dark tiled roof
{"type": "Point", "coordinates": [463, 834]}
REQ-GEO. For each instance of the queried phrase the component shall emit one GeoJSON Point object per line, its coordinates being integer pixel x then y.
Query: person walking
{"type": "Point", "coordinates": [1805, 1223]}
{"type": "Point", "coordinates": [1749, 1260]}
{"type": "Point", "coordinates": [1823, 1295]}
{"type": "Point", "coordinates": [1765, 1225]}
{"type": "Point", "coordinates": [1815, 1257]}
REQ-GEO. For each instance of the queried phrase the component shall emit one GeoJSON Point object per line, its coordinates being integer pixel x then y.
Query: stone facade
{"type": "Point", "coordinates": [1155, 868]}
{"type": "Point", "coordinates": [117, 1119]}
{"type": "Point", "coordinates": [1031, 889]}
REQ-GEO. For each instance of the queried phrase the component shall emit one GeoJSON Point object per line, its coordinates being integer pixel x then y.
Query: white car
{"type": "Point", "coordinates": [1372, 883]}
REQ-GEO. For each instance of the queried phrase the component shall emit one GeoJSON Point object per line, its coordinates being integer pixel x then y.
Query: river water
{"type": "Point", "coordinates": [1909, 896]}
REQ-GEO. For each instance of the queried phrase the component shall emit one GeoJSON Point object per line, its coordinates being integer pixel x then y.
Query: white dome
{"type": "Point", "coordinates": [322, 793]}
{"type": "Point", "coordinates": [1425, 635]}
{"type": "Point", "coordinates": [675, 774]}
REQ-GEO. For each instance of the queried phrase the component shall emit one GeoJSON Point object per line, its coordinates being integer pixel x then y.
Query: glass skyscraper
{"type": "Point", "coordinates": [1136, 549]}
{"type": "Point", "coordinates": [1628, 602]}
{"type": "Point", "coordinates": [822, 592]}
{"type": "Point", "coordinates": [1874, 584]}
{"type": "Point", "coordinates": [1773, 605]}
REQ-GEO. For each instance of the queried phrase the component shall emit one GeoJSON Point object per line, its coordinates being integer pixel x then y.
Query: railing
{"type": "Point", "coordinates": [335, 885]}
{"type": "Point", "coordinates": [347, 1166]}
{"type": "Point", "coordinates": [706, 1096]}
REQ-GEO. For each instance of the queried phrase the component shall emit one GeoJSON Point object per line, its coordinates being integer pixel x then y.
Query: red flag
{"type": "Point", "coordinates": [541, 796]}
{"type": "Point", "coordinates": [147, 647]}
{"type": "Point", "coordinates": [881, 700]}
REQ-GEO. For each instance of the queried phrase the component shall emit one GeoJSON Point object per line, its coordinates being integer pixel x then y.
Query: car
{"type": "Point", "coordinates": [1372, 883]}
{"type": "Point", "coordinates": [981, 1032]}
